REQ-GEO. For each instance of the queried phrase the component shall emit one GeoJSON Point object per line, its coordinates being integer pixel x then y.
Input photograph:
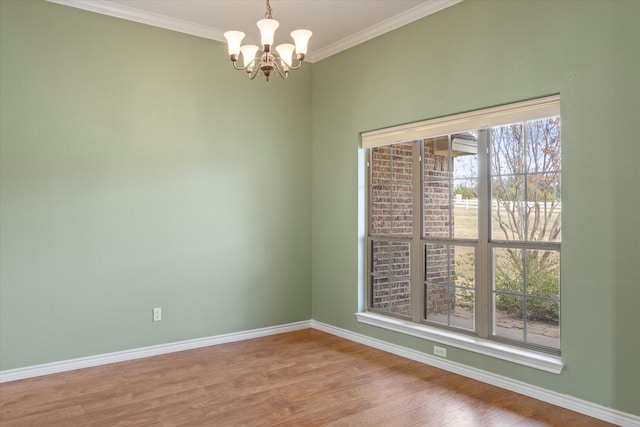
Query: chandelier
{"type": "Point", "coordinates": [267, 62]}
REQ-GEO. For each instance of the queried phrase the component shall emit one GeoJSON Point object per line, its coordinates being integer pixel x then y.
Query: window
{"type": "Point", "coordinates": [464, 226]}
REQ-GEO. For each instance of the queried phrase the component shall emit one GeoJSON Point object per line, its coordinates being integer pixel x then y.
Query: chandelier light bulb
{"type": "Point", "coordinates": [286, 53]}
{"type": "Point", "coordinates": [248, 53]}
{"type": "Point", "coordinates": [234, 39]}
{"type": "Point", "coordinates": [301, 38]}
{"type": "Point", "coordinates": [267, 30]}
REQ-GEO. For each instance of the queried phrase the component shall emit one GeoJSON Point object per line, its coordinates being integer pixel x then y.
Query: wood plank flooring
{"type": "Point", "coordinates": [303, 378]}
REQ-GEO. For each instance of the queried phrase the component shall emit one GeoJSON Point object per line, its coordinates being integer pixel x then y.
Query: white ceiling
{"type": "Point", "coordinates": [336, 24]}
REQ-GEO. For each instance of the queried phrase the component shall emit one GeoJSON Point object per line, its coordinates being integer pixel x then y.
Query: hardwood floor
{"type": "Point", "coordinates": [304, 378]}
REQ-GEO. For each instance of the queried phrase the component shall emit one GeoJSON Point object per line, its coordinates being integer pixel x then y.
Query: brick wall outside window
{"type": "Point", "coordinates": [391, 214]}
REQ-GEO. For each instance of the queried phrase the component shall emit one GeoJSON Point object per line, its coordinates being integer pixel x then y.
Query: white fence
{"type": "Point", "coordinates": [473, 203]}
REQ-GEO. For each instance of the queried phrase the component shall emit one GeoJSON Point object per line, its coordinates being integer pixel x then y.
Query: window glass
{"type": "Point", "coordinates": [391, 200]}
{"type": "Point", "coordinates": [526, 181]}
{"type": "Point", "coordinates": [390, 274]}
{"type": "Point", "coordinates": [527, 295]}
{"type": "Point", "coordinates": [450, 182]}
{"type": "Point", "coordinates": [450, 285]}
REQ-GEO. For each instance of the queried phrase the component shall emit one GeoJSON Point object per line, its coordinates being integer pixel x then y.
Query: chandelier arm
{"type": "Point", "coordinates": [252, 74]}
{"type": "Point", "coordinates": [238, 68]}
{"type": "Point", "coordinates": [292, 67]}
{"type": "Point", "coordinates": [283, 73]}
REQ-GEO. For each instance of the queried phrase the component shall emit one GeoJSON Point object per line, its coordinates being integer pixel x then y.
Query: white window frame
{"type": "Point", "coordinates": [480, 119]}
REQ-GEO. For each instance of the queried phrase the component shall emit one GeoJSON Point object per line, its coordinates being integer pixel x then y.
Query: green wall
{"type": "Point", "coordinates": [138, 170]}
{"type": "Point", "coordinates": [478, 54]}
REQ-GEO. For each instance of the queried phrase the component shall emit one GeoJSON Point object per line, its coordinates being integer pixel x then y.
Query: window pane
{"type": "Point", "coordinates": [464, 151]}
{"type": "Point", "coordinates": [464, 278]}
{"type": "Point", "coordinates": [527, 296]}
{"type": "Point", "coordinates": [400, 259]}
{"type": "Point", "coordinates": [390, 284]}
{"type": "Point", "coordinates": [507, 150]}
{"type": "Point", "coordinates": [380, 295]}
{"type": "Point", "coordinates": [380, 258]}
{"type": "Point", "coordinates": [402, 162]}
{"type": "Point", "coordinates": [465, 209]}
{"type": "Point", "coordinates": [391, 295]}
{"type": "Point", "coordinates": [380, 209]}
{"type": "Point", "coordinates": [526, 176]}
{"type": "Point", "coordinates": [464, 273]}
{"type": "Point", "coordinates": [402, 209]}
{"type": "Point", "coordinates": [436, 187]}
{"type": "Point", "coordinates": [450, 170]}
{"type": "Point", "coordinates": [391, 200]}
{"type": "Point", "coordinates": [507, 323]}
{"type": "Point", "coordinates": [390, 258]}
{"type": "Point", "coordinates": [450, 285]}
{"type": "Point", "coordinates": [508, 274]}
{"type": "Point", "coordinates": [508, 293]}
{"type": "Point", "coordinates": [463, 316]}
{"type": "Point", "coordinates": [544, 208]}
{"type": "Point", "coordinates": [543, 145]}
{"type": "Point", "coordinates": [542, 273]}
{"type": "Point", "coordinates": [436, 159]}
{"type": "Point", "coordinates": [381, 165]}
{"type": "Point", "coordinates": [438, 303]}
{"type": "Point", "coordinates": [442, 308]}
{"type": "Point", "coordinates": [542, 283]}
{"type": "Point", "coordinates": [543, 331]}
{"type": "Point", "coordinates": [437, 209]}
{"type": "Point", "coordinates": [438, 263]}
{"type": "Point", "coordinates": [508, 208]}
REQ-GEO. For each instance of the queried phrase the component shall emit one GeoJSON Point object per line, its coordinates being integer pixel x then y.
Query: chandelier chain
{"type": "Point", "coordinates": [269, 13]}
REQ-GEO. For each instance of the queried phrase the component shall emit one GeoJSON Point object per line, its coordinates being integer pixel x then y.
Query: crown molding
{"type": "Point", "coordinates": [117, 10]}
{"type": "Point", "coordinates": [428, 8]}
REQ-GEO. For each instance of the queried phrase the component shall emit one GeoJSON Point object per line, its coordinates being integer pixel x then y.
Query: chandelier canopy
{"type": "Point", "coordinates": [267, 62]}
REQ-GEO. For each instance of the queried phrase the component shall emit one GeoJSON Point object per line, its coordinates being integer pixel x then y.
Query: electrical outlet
{"type": "Point", "coordinates": [439, 351]}
{"type": "Point", "coordinates": [157, 314]}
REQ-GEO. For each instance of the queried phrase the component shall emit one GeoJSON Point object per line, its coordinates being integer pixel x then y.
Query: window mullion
{"type": "Point", "coordinates": [417, 256]}
{"type": "Point", "coordinates": [484, 269]}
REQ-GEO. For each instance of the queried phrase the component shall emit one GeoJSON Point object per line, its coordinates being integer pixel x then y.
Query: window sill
{"type": "Point", "coordinates": [532, 359]}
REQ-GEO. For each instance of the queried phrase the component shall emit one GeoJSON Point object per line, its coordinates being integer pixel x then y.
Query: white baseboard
{"type": "Point", "coordinates": [574, 404]}
{"type": "Point", "coordinates": [137, 353]}
{"type": "Point", "coordinates": [568, 402]}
